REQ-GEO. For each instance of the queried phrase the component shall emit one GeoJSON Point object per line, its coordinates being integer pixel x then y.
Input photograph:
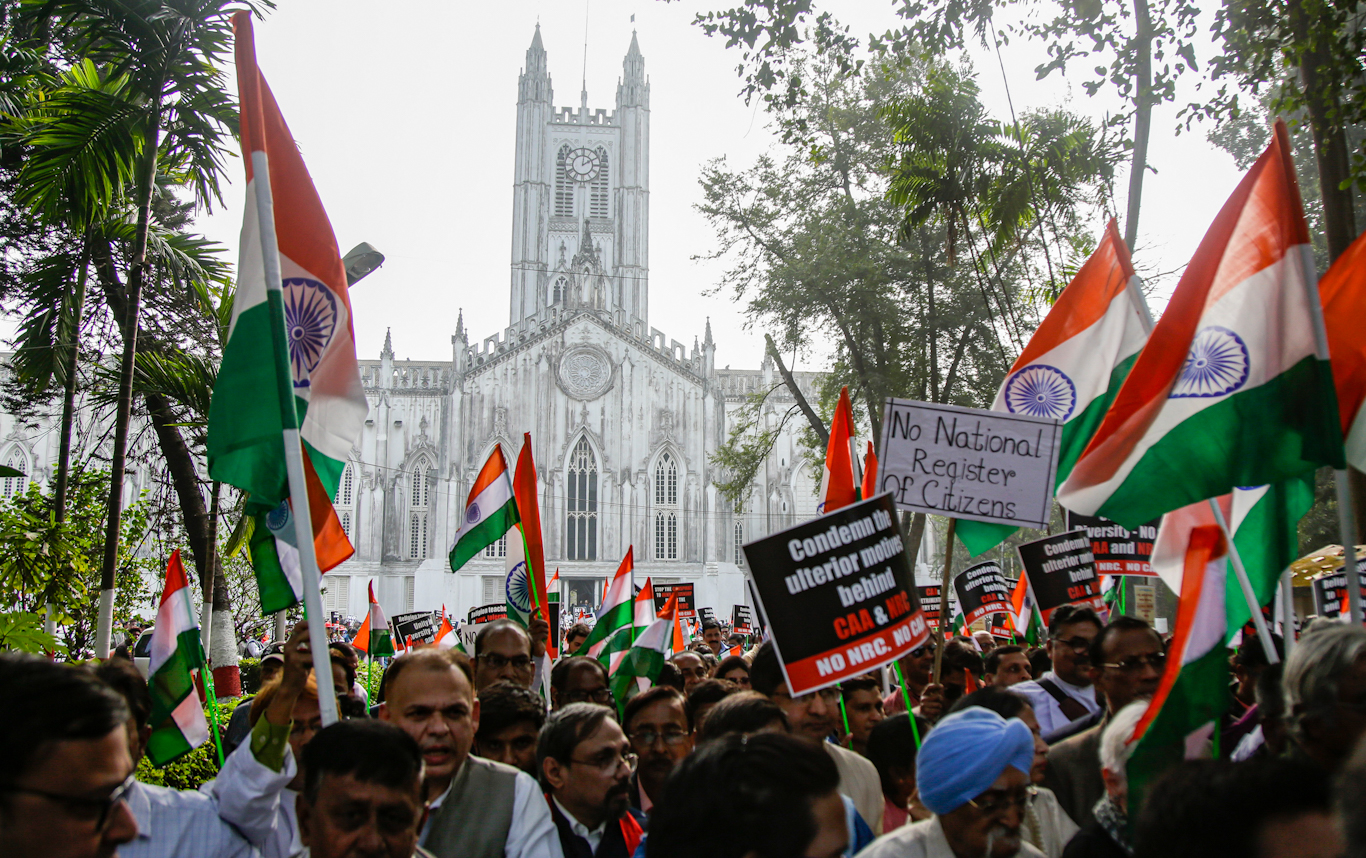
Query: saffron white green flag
{"type": "Point", "coordinates": [490, 513]}
{"type": "Point", "coordinates": [373, 637]}
{"type": "Point", "coordinates": [1074, 364]}
{"type": "Point", "coordinates": [620, 642]}
{"type": "Point", "coordinates": [642, 663]}
{"type": "Point", "coordinates": [617, 607]}
{"type": "Point", "coordinates": [1232, 388]}
{"type": "Point", "coordinates": [177, 719]}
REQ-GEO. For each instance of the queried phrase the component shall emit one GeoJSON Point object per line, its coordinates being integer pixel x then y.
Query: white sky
{"type": "Point", "coordinates": [406, 115]}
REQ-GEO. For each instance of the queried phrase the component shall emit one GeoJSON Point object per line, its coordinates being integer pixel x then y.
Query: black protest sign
{"type": "Point", "coordinates": [968, 463]}
{"type": "Point", "coordinates": [838, 594]}
{"type": "Point", "coordinates": [421, 626]}
{"type": "Point", "coordinates": [488, 613]}
{"type": "Point", "coordinates": [685, 601]}
{"type": "Point", "coordinates": [930, 605]}
{"type": "Point", "coordinates": [1117, 550]}
{"type": "Point", "coordinates": [553, 604]}
{"type": "Point", "coordinates": [1001, 626]}
{"type": "Point", "coordinates": [704, 614]}
{"type": "Point", "coordinates": [981, 590]}
{"type": "Point", "coordinates": [1330, 592]}
{"type": "Point", "coordinates": [1061, 572]}
{"type": "Point", "coordinates": [741, 620]}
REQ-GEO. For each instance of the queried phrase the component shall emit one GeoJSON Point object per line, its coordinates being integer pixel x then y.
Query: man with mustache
{"type": "Point", "coordinates": [972, 772]}
{"type": "Point", "coordinates": [656, 722]}
{"type": "Point", "coordinates": [586, 764]}
{"type": "Point", "coordinates": [478, 808]}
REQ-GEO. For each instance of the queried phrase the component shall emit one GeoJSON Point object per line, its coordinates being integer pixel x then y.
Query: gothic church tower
{"type": "Point", "coordinates": [581, 196]}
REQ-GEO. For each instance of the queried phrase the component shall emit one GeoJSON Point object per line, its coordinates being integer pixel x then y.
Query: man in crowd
{"type": "Point", "coordinates": [1006, 666]}
{"type": "Point", "coordinates": [479, 808]}
{"type": "Point", "coordinates": [65, 766]}
{"type": "Point", "coordinates": [574, 638]}
{"type": "Point", "coordinates": [711, 636]}
{"type": "Point", "coordinates": [239, 725]}
{"type": "Point", "coordinates": [973, 774]}
{"type": "Point", "coordinates": [691, 667]}
{"type": "Point", "coordinates": [1065, 693]}
{"type": "Point", "coordinates": [892, 746]}
{"type": "Point", "coordinates": [1107, 833]}
{"type": "Point", "coordinates": [257, 786]}
{"type": "Point", "coordinates": [812, 717]}
{"type": "Point", "coordinates": [985, 641]}
{"type": "Point", "coordinates": [744, 712]}
{"type": "Point", "coordinates": [585, 762]}
{"type": "Point", "coordinates": [510, 717]}
{"type": "Point", "coordinates": [656, 723]}
{"type": "Point", "coordinates": [170, 821]}
{"type": "Point", "coordinates": [1126, 662]}
{"type": "Point", "coordinates": [704, 697]}
{"type": "Point", "coordinates": [362, 795]}
{"type": "Point", "coordinates": [785, 802]}
{"type": "Point", "coordinates": [579, 679]}
{"type": "Point", "coordinates": [916, 668]}
{"type": "Point", "coordinates": [1325, 693]}
{"type": "Point", "coordinates": [960, 664]}
{"type": "Point", "coordinates": [503, 652]}
{"type": "Point", "coordinates": [735, 669]}
{"type": "Point", "coordinates": [862, 699]}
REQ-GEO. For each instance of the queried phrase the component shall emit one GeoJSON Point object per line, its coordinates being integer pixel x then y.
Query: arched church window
{"type": "Point", "coordinates": [11, 486]}
{"type": "Point", "coordinates": [582, 506]}
{"type": "Point", "coordinates": [739, 544]}
{"type": "Point", "coordinates": [666, 508]}
{"type": "Point", "coordinates": [345, 499]}
{"type": "Point", "coordinates": [419, 511]}
{"type": "Point", "coordinates": [564, 185]}
{"type": "Point", "coordinates": [557, 294]}
{"type": "Point", "coordinates": [597, 205]}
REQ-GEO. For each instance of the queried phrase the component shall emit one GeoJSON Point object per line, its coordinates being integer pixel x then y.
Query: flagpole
{"type": "Point", "coordinates": [294, 462]}
{"type": "Point", "coordinates": [944, 597]}
{"type": "Point", "coordinates": [1263, 633]}
{"type": "Point", "coordinates": [1288, 611]}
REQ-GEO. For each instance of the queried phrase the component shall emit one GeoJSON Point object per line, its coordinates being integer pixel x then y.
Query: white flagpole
{"type": "Point", "coordinates": [294, 462]}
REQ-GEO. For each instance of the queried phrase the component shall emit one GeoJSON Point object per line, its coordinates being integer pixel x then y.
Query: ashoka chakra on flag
{"type": "Point", "coordinates": [1217, 365]}
{"type": "Point", "coordinates": [310, 320]}
{"type": "Point", "coordinates": [517, 594]}
{"type": "Point", "coordinates": [1040, 390]}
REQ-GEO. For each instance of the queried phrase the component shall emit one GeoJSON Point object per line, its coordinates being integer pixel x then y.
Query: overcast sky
{"type": "Point", "coordinates": [406, 116]}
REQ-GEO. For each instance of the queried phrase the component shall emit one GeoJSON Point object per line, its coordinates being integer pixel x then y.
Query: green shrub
{"type": "Point", "coordinates": [198, 766]}
{"type": "Point", "coordinates": [250, 668]}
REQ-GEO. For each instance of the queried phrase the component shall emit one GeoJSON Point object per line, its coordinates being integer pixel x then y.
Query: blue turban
{"type": "Point", "coordinates": [964, 755]}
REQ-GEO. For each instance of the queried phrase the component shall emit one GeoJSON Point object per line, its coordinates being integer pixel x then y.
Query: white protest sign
{"type": "Point", "coordinates": [969, 463]}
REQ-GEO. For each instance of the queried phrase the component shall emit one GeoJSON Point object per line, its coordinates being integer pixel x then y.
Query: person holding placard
{"type": "Point", "coordinates": [1065, 693]}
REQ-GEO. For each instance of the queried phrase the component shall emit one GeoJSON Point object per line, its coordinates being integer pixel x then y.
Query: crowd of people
{"type": "Point", "coordinates": [1014, 752]}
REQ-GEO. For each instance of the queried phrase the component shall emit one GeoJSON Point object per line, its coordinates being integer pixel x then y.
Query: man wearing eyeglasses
{"type": "Point", "coordinates": [502, 653]}
{"type": "Point", "coordinates": [478, 808]}
{"type": "Point", "coordinates": [1126, 659]}
{"type": "Point", "coordinates": [656, 722]}
{"type": "Point", "coordinates": [65, 767]}
{"type": "Point", "coordinates": [586, 763]}
{"type": "Point", "coordinates": [916, 670]}
{"type": "Point", "coordinates": [579, 679]}
{"type": "Point", "coordinates": [1065, 693]}
{"type": "Point", "coordinates": [972, 771]}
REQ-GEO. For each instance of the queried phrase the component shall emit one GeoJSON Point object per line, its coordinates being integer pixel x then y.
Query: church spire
{"type": "Point", "coordinates": [633, 89]}
{"type": "Point", "coordinates": [706, 338]}
{"type": "Point", "coordinates": [534, 82]}
{"type": "Point", "coordinates": [388, 350]}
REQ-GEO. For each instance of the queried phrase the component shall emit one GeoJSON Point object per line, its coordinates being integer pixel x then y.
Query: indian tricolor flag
{"type": "Point", "coordinates": [639, 669]}
{"type": "Point", "coordinates": [1233, 387]}
{"type": "Point", "coordinates": [177, 719]}
{"type": "Point", "coordinates": [289, 370]}
{"type": "Point", "coordinates": [1342, 292]}
{"type": "Point", "coordinates": [617, 608]}
{"type": "Point", "coordinates": [446, 636]}
{"type": "Point", "coordinates": [623, 638]}
{"type": "Point", "coordinates": [1074, 364]}
{"type": "Point", "coordinates": [295, 299]}
{"type": "Point", "coordinates": [490, 512]}
{"type": "Point", "coordinates": [838, 486]}
{"type": "Point", "coordinates": [373, 637]}
{"type": "Point", "coordinates": [1193, 692]}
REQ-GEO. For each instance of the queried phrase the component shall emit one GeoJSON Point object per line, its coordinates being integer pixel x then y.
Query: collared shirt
{"type": "Point", "coordinates": [1046, 708]}
{"type": "Point", "coordinates": [253, 795]}
{"type": "Point", "coordinates": [532, 833]}
{"type": "Point", "coordinates": [172, 823]}
{"type": "Point", "coordinates": [924, 839]}
{"type": "Point", "coordinates": [644, 800]}
{"type": "Point", "coordinates": [593, 836]}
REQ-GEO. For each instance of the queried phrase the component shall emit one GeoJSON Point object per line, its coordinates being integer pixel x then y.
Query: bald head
{"type": "Point", "coordinates": [502, 653]}
{"type": "Point", "coordinates": [429, 694]}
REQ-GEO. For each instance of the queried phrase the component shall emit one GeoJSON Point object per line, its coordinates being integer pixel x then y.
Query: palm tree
{"type": "Point", "coordinates": [147, 97]}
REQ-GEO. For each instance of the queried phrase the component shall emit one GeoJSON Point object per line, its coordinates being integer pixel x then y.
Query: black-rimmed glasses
{"type": "Point", "coordinates": [99, 809]}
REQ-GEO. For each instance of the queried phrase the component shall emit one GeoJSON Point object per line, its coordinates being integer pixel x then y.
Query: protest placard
{"type": "Point", "coordinates": [930, 604]}
{"type": "Point", "coordinates": [838, 594]}
{"type": "Point", "coordinates": [488, 613]}
{"type": "Point", "coordinates": [981, 590]}
{"type": "Point", "coordinates": [703, 614]}
{"type": "Point", "coordinates": [741, 620]}
{"type": "Point", "coordinates": [685, 601]}
{"type": "Point", "coordinates": [1145, 602]}
{"type": "Point", "coordinates": [553, 614]}
{"type": "Point", "coordinates": [1330, 592]}
{"type": "Point", "coordinates": [1117, 550]}
{"type": "Point", "coordinates": [968, 463]}
{"type": "Point", "coordinates": [1000, 626]}
{"type": "Point", "coordinates": [1061, 571]}
{"type": "Point", "coordinates": [421, 626]}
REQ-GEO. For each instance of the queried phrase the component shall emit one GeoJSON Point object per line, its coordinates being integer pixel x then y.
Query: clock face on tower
{"type": "Point", "coordinates": [583, 165]}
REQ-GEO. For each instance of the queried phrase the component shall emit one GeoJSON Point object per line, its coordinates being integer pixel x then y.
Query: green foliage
{"type": "Point", "coordinates": [187, 773]}
{"type": "Point", "coordinates": [250, 670]}
{"type": "Point", "coordinates": [1319, 527]}
{"type": "Point", "coordinates": [23, 631]}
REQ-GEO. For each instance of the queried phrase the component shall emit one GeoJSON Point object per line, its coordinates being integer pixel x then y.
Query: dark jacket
{"type": "Point", "coordinates": [1093, 841]}
{"type": "Point", "coordinates": [619, 840]}
{"type": "Point", "coordinates": [1074, 774]}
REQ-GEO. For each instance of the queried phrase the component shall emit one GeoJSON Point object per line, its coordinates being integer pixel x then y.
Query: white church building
{"type": "Point", "coordinates": [623, 418]}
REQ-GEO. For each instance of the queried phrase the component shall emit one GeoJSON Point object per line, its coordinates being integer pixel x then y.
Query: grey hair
{"type": "Point", "coordinates": [1317, 662]}
{"type": "Point", "coordinates": [564, 730]}
{"type": "Point", "coordinates": [1115, 747]}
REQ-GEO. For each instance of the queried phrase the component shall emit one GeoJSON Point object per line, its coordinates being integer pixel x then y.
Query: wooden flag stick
{"type": "Point", "coordinates": [947, 581]}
